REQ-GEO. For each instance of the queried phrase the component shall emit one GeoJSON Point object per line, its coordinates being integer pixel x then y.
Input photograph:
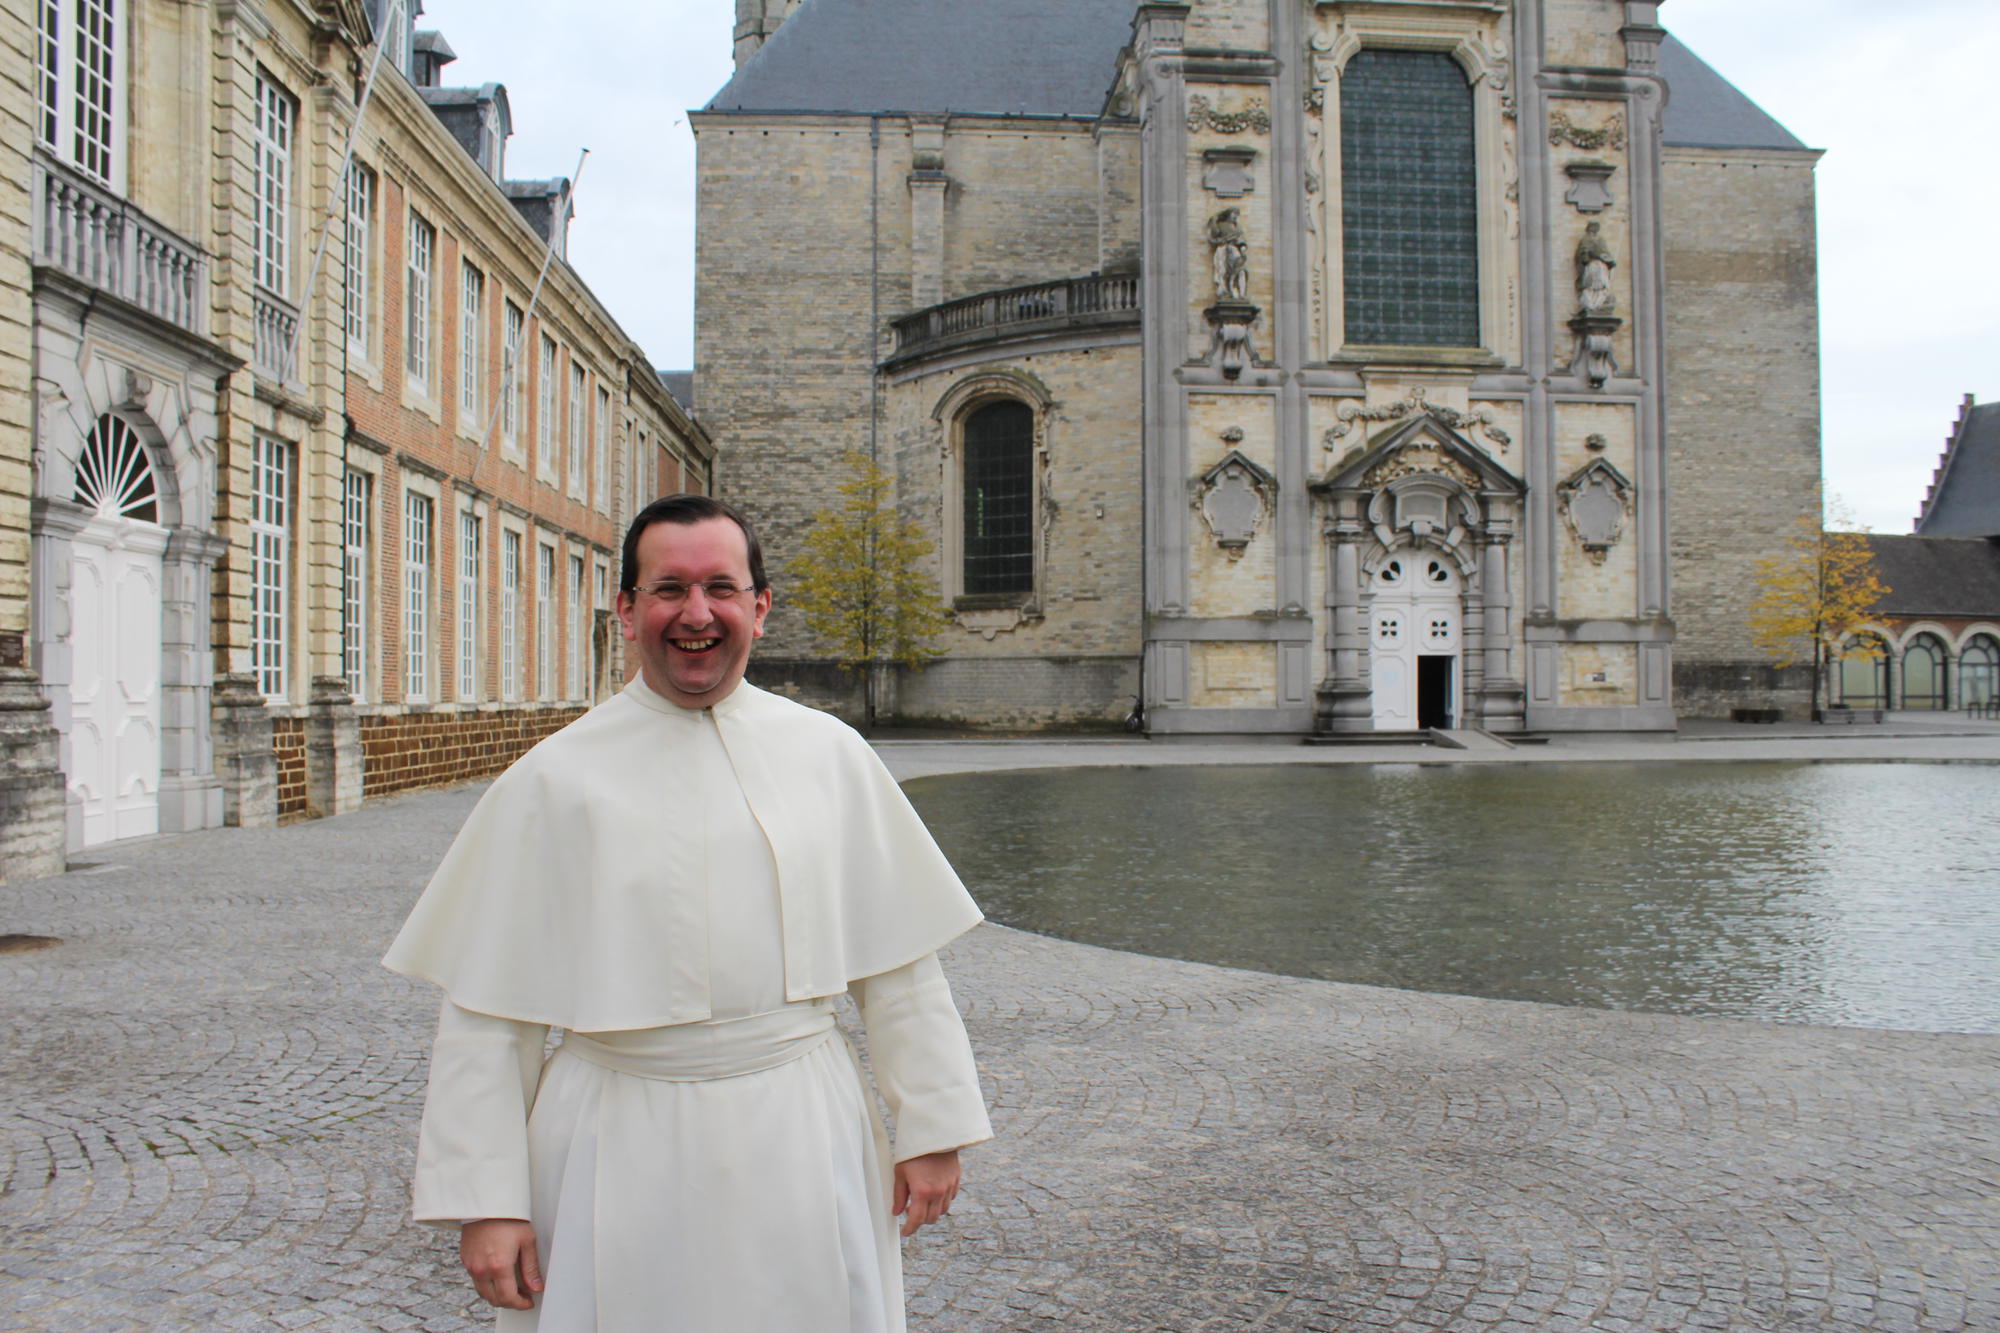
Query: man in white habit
{"type": "Point", "coordinates": [683, 880]}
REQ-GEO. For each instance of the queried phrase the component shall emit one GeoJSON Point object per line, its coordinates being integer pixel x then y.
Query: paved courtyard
{"type": "Point", "coordinates": [209, 1094]}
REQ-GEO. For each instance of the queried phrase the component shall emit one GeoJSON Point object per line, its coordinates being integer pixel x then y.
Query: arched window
{"type": "Point", "coordinates": [1923, 673]}
{"type": "Point", "coordinates": [1979, 672]}
{"type": "Point", "coordinates": [997, 478]}
{"type": "Point", "coordinates": [1864, 673]}
{"type": "Point", "coordinates": [1409, 201]}
{"type": "Point", "coordinates": [114, 478]}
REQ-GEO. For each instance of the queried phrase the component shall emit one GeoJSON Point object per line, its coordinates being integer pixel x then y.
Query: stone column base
{"type": "Point", "coordinates": [333, 750]}
{"type": "Point", "coordinates": [245, 758]}
{"type": "Point", "coordinates": [32, 789]}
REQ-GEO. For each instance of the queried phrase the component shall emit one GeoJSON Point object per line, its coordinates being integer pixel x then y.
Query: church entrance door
{"type": "Point", "coordinates": [1414, 645]}
{"type": "Point", "coordinates": [114, 735]}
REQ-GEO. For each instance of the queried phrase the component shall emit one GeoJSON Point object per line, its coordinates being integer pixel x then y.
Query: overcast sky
{"type": "Point", "coordinates": [1897, 95]}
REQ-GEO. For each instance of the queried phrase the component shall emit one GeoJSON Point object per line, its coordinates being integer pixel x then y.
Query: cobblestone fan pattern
{"type": "Point", "coordinates": [209, 1095]}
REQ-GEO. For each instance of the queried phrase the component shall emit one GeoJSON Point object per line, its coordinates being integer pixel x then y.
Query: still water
{"type": "Point", "coordinates": [1805, 893]}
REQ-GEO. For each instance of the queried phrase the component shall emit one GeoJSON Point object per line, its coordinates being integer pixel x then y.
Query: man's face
{"type": "Point", "coordinates": [693, 651]}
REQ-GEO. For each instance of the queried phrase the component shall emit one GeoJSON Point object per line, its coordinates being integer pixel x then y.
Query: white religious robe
{"type": "Point", "coordinates": [721, 1171]}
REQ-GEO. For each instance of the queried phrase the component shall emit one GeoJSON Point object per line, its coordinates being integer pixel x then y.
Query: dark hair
{"type": "Point", "coordinates": [687, 509]}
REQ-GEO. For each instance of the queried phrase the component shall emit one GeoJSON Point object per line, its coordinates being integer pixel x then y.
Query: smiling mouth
{"type": "Point", "coordinates": [694, 645]}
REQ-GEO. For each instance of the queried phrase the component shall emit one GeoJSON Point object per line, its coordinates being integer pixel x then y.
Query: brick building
{"type": "Point", "coordinates": [325, 475]}
{"type": "Point", "coordinates": [1304, 368]}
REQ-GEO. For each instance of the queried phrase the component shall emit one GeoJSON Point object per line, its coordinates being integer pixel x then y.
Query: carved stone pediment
{"type": "Point", "coordinates": [1431, 446]}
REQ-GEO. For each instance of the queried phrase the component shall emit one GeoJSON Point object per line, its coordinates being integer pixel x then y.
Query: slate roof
{"type": "Point", "coordinates": [1938, 576]}
{"type": "Point", "coordinates": [997, 57]}
{"type": "Point", "coordinates": [680, 383]}
{"type": "Point", "coordinates": [1705, 110]}
{"type": "Point", "coordinates": [1965, 496]}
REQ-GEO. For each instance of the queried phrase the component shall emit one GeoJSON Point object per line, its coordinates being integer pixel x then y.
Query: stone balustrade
{"type": "Point", "coordinates": [274, 343]}
{"type": "Point", "coordinates": [93, 235]}
{"type": "Point", "coordinates": [1015, 311]}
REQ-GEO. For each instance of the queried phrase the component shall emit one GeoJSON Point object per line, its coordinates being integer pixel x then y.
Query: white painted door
{"type": "Point", "coordinates": [1414, 614]}
{"type": "Point", "coordinates": [1392, 668]}
{"type": "Point", "coordinates": [115, 578]}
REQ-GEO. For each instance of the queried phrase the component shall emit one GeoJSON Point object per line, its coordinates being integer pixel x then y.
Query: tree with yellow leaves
{"type": "Point", "coordinates": [1815, 591]}
{"type": "Point", "coordinates": [859, 580]}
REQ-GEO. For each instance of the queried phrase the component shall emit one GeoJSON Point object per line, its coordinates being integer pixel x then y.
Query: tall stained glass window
{"type": "Point", "coordinates": [998, 531]}
{"type": "Point", "coordinates": [1409, 182]}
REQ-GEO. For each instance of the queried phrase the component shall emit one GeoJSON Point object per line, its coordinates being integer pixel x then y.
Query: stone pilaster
{"type": "Point", "coordinates": [31, 781]}
{"type": "Point", "coordinates": [333, 749]}
{"type": "Point", "coordinates": [244, 756]}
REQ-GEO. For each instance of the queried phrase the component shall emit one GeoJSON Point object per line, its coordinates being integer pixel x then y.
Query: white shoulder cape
{"type": "Point", "coordinates": [576, 893]}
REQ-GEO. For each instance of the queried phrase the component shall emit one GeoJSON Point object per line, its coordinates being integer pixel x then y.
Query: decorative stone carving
{"type": "Point", "coordinates": [1594, 262]}
{"type": "Point", "coordinates": [1562, 130]}
{"type": "Point", "coordinates": [1593, 358]}
{"type": "Point", "coordinates": [1595, 502]}
{"type": "Point", "coordinates": [1423, 458]}
{"type": "Point", "coordinates": [1226, 171]}
{"type": "Point", "coordinates": [1234, 498]}
{"type": "Point", "coordinates": [1349, 413]}
{"type": "Point", "coordinates": [1230, 348]}
{"type": "Point", "coordinates": [1202, 114]}
{"type": "Point", "coordinates": [1229, 255]}
{"type": "Point", "coordinates": [989, 621]}
{"type": "Point", "coordinates": [1588, 190]}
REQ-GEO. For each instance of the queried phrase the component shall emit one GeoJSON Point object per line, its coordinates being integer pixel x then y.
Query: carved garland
{"type": "Point", "coordinates": [1349, 413]}
{"type": "Point", "coordinates": [1562, 130]}
{"type": "Point", "coordinates": [1203, 115]}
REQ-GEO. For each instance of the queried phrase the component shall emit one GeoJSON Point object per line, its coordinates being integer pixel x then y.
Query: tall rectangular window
{"type": "Point", "coordinates": [545, 621]}
{"type": "Point", "coordinates": [512, 398]}
{"type": "Point", "coordinates": [468, 605]}
{"type": "Point", "coordinates": [416, 596]}
{"type": "Point", "coordinates": [271, 183]}
{"type": "Point", "coordinates": [602, 472]}
{"type": "Point", "coordinates": [355, 489]}
{"type": "Point", "coordinates": [998, 532]}
{"type": "Point", "coordinates": [579, 399]}
{"type": "Point", "coordinates": [79, 98]}
{"type": "Point", "coordinates": [1409, 201]}
{"type": "Point", "coordinates": [579, 629]}
{"type": "Point", "coordinates": [471, 345]}
{"type": "Point", "coordinates": [545, 410]}
{"type": "Point", "coordinates": [360, 213]}
{"type": "Point", "coordinates": [270, 558]}
{"type": "Point", "coordinates": [417, 300]}
{"type": "Point", "coordinates": [510, 614]}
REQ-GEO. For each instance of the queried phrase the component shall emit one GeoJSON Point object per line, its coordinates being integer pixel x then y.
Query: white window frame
{"type": "Point", "coordinates": [513, 396]}
{"type": "Point", "coordinates": [601, 473]}
{"type": "Point", "coordinates": [512, 568]}
{"type": "Point", "coordinates": [357, 498]}
{"type": "Point", "coordinates": [471, 347]}
{"type": "Point", "coordinates": [579, 627]}
{"type": "Point", "coordinates": [270, 562]}
{"type": "Point", "coordinates": [421, 269]}
{"type": "Point", "coordinates": [545, 620]}
{"type": "Point", "coordinates": [471, 541]}
{"type": "Point", "coordinates": [419, 541]}
{"type": "Point", "coordinates": [579, 401]}
{"type": "Point", "coordinates": [360, 196]}
{"type": "Point", "coordinates": [80, 96]}
{"type": "Point", "coordinates": [272, 125]}
{"type": "Point", "coordinates": [545, 410]}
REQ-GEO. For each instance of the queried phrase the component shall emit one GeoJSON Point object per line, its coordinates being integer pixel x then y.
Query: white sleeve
{"type": "Point", "coordinates": [472, 1151]}
{"type": "Point", "coordinates": [921, 1058]}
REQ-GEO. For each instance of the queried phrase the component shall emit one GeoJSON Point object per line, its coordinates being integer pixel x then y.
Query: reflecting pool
{"type": "Point", "coordinates": [1865, 894]}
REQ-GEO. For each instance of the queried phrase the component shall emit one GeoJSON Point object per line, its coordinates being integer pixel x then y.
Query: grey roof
{"type": "Point", "coordinates": [680, 383]}
{"type": "Point", "coordinates": [1705, 110]}
{"type": "Point", "coordinates": [1965, 495]}
{"type": "Point", "coordinates": [997, 57]}
{"type": "Point", "coordinates": [1938, 576]}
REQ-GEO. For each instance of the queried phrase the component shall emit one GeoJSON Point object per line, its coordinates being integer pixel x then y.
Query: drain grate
{"type": "Point", "coordinates": [27, 943]}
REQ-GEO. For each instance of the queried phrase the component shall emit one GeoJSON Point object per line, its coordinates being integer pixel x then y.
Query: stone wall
{"type": "Point", "coordinates": [403, 751]}
{"type": "Point", "coordinates": [1743, 407]}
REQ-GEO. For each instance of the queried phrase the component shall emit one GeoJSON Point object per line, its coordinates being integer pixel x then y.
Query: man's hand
{"type": "Point", "coordinates": [925, 1187]}
{"type": "Point", "coordinates": [499, 1253]}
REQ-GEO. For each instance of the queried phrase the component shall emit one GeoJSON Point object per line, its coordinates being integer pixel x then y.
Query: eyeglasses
{"type": "Point", "coordinates": [673, 592]}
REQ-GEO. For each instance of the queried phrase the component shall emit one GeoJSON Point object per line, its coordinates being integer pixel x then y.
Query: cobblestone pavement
{"type": "Point", "coordinates": [209, 1094]}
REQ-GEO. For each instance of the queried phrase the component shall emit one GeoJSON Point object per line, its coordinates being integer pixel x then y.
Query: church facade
{"type": "Point", "coordinates": [1292, 367]}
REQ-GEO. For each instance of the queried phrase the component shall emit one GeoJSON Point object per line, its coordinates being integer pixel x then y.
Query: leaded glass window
{"type": "Point", "coordinates": [1979, 673]}
{"type": "Point", "coordinates": [417, 512]}
{"type": "Point", "coordinates": [354, 511]}
{"type": "Point", "coordinates": [417, 298]}
{"type": "Point", "coordinates": [998, 475]}
{"type": "Point", "coordinates": [271, 209]}
{"type": "Point", "coordinates": [1864, 673]}
{"type": "Point", "coordinates": [270, 560]}
{"type": "Point", "coordinates": [77, 91]}
{"type": "Point", "coordinates": [1923, 673]}
{"type": "Point", "coordinates": [468, 605]}
{"type": "Point", "coordinates": [510, 615]}
{"type": "Point", "coordinates": [1409, 182]}
{"type": "Point", "coordinates": [360, 213]}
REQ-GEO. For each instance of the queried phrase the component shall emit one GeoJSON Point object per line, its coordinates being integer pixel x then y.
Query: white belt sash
{"type": "Point", "coordinates": [697, 1052]}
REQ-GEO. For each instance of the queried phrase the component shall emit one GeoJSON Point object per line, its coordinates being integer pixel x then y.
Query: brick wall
{"type": "Point", "coordinates": [403, 751]}
{"type": "Point", "coordinates": [288, 744]}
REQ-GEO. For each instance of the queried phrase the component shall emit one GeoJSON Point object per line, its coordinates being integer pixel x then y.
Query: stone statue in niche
{"type": "Point", "coordinates": [1595, 501]}
{"type": "Point", "coordinates": [1229, 254]}
{"type": "Point", "coordinates": [1234, 497]}
{"type": "Point", "coordinates": [1594, 262]}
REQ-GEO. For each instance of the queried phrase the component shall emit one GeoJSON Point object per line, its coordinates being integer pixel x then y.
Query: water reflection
{"type": "Point", "coordinates": [1839, 893]}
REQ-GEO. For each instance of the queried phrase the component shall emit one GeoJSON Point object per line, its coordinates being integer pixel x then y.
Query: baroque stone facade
{"type": "Point", "coordinates": [1303, 368]}
{"type": "Point", "coordinates": [298, 434]}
